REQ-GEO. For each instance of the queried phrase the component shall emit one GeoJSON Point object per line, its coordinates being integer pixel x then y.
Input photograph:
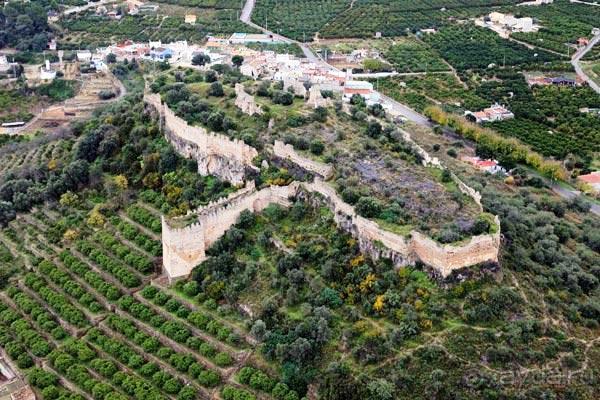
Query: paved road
{"type": "Point", "coordinates": [247, 11]}
{"type": "Point", "coordinates": [577, 58]}
{"type": "Point", "coordinates": [588, 3]}
{"type": "Point", "coordinates": [400, 108]}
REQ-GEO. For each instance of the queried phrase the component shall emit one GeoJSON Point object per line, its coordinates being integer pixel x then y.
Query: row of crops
{"type": "Point", "coordinates": [363, 18]}
{"type": "Point", "coordinates": [85, 321]}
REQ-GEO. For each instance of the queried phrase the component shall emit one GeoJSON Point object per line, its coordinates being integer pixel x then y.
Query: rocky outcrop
{"type": "Point", "coordinates": [245, 101]}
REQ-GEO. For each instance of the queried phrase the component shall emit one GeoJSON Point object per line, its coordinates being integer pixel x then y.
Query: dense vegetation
{"type": "Point", "coordinates": [562, 23]}
{"type": "Point", "coordinates": [24, 26]}
{"type": "Point", "coordinates": [548, 117]}
{"type": "Point", "coordinates": [301, 19]}
{"type": "Point", "coordinates": [472, 47]}
{"type": "Point", "coordinates": [414, 56]}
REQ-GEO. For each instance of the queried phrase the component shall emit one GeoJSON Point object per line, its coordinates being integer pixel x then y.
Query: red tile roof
{"type": "Point", "coordinates": [594, 177]}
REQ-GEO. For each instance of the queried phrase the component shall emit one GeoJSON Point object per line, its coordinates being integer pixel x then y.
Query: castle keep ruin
{"type": "Point", "coordinates": [184, 247]}
{"type": "Point", "coordinates": [246, 102]}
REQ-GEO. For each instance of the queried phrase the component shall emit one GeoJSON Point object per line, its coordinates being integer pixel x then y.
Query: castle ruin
{"type": "Point", "coordinates": [185, 247]}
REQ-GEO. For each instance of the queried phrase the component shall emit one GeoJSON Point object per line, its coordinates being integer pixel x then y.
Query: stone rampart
{"type": "Point", "coordinates": [185, 247]}
{"type": "Point", "coordinates": [287, 152]}
{"type": "Point", "coordinates": [245, 101]}
{"type": "Point", "coordinates": [215, 154]}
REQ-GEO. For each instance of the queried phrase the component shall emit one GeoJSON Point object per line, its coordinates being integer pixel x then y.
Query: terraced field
{"type": "Point", "coordinates": [89, 310]}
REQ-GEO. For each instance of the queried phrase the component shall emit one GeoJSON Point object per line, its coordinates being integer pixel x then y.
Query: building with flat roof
{"type": "Point", "coordinates": [491, 114]}
{"type": "Point", "coordinates": [241, 38]}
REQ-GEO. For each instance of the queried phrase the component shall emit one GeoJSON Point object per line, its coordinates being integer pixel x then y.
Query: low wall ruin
{"type": "Point", "coordinates": [218, 155]}
{"type": "Point", "coordinates": [245, 102]}
{"type": "Point", "coordinates": [287, 152]}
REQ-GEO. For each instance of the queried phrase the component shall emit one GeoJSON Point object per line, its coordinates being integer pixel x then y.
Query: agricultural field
{"type": "Point", "coordinates": [425, 90]}
{"type": "Point", "coordinates": [470, 47]}
{"type": "Point", "coordinates": [562, 23]}
{"type": "Point", "coordinates": [299, 20]}
{"type": "Point", "coordinates": [280, 48]}
{"type": "Point", "coordinates": [414, 56]}
{"type": "Point", "coordinates": [363, 18]}
{"type": "Point", "coordinates": [168, 25]}
{"type": "Point", "coordinates": [21, 102]}
{"type": "Point", "coordinates": [548, 117]}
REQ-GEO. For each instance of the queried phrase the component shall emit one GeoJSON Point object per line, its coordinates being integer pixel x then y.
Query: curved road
{"type": "Point", "coordinates": [408, 112]}
{"type": "Point", "coordinates": [577, 58]}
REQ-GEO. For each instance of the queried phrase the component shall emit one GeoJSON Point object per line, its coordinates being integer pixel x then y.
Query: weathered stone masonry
{"type": "Point", "coordinates": [246, 102]}
{"type": "Point", "coordinates": [215, 154]}
{"type": "Point", "coordinates": [184, 248]}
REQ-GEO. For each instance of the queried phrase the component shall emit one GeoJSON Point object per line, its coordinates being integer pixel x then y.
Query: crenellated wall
{"type": "Point", "coordinates": [215, 154]}
{"type": "Point", "coordinates": [287, 152]}
{"type": "Point", "coordinates": [245, 101]}
{"type": "Point", "coordinates": [185, 247]}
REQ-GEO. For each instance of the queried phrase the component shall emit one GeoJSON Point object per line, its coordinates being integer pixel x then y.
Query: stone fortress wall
{"type": "Point", "coordinates": [287, 152]}
{"type": "Point", "coordinates": [185, 247]}
{"type": "Point", "coordinates": [215, 154]}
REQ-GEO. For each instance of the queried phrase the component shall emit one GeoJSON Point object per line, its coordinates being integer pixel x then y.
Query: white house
{"type": "Point", "coordinates": [491, 114]}
{"type": "Point", "coordinates": [84, 56]}
{"type": "Point", "coordinates": [47, 74]}
{"type": "Point", "coordinates": [363, 88]}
